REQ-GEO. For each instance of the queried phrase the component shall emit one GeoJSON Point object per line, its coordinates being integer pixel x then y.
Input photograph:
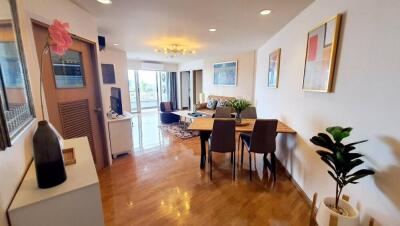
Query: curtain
{"type": "Point", "coordinates": [173, 89]}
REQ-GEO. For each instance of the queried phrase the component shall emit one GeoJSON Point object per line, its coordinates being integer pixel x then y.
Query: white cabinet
{"type": "Point", "coordinates": [76, 202]}
{"type": "Point", "coordinates": [120, 134]}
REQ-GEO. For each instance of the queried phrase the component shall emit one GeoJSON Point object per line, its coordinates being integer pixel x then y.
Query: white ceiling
{"type": "Point", "coordinates": [138, 26]}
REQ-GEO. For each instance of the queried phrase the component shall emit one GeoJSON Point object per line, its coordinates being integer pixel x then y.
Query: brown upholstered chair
{"type": "Point", "coordinates": [262, 140]}
{"type": "Point", "coordinates": [249, 112]}
{"type": "Point", "coordinates": [222, 140]}
{"type": "Point", "coordinates": [223, 112]}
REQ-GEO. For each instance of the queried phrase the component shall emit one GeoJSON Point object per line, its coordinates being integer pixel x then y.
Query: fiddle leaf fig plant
{"type": "Point", "coordinates": [340, 158]}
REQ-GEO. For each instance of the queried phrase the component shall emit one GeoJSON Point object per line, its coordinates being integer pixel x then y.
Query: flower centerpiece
{"type": "Point", "coordinates": [47, 151]}
{"type": "Point", "coordinates": [341, 159]}
{"type": "Point", "coordinates": [239, 105]}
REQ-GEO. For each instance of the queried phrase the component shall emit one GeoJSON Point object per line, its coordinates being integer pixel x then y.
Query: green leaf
{"type": "Point", "coordinates": [335, 178]}
{"type": "Point", "coordinates": [351, 156]}
{"type": "Point", "coordinates": [339, 133]}
{"type": "Point", "coordinates": [323, 140]}
{"type": "Point", "coordinates": [355, 143]}
{"type": "Point", "coordinates": [364, 172]}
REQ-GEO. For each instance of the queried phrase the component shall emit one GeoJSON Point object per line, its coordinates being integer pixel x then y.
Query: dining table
{"type": "Point", "coordinates": [205, 126]}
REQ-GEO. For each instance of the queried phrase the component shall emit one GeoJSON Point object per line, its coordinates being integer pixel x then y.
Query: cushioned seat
{"type": "Point", "coordinates": [166, 115]}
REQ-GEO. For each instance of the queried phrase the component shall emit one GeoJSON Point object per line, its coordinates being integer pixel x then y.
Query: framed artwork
{"type": "Point", "coordinates": [273, 69]}
{"type": "Point", "coordinates": [108, 73]}
{"type": "Point", "coordinates": [225, 73]}
{"type": "Point", "coordinates": [321, 50]}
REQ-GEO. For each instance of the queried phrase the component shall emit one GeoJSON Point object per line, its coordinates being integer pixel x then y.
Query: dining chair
{"type": "Point", "coordinates": [262, 141]}
{"type": "Point", "coordinates": [249, 112]}
{"type": "Point", "coordinates": [222, 112]}
{"type": "Point", "coordinates": [222, 140]}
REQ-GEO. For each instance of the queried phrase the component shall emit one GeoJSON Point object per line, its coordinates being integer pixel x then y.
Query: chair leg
{"type": "Point", "coordinates": [241, 160]}
{"type": "Point", "coordinates": [231, 157]}
{"type": "Point", "coordinates": [210, 163]}
{"type": "Point", "coordinates": [273, 164]}
{"type": "Point", "coordinates": [250, 165]}
{"type": "Point", "coordinates": [234, 167]}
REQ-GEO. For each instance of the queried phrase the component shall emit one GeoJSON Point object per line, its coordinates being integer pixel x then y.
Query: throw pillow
{"type": "Point", "coordinates": [211, 104]}
{"type": "Point", "coordinates": [167, 107]}
{"type": "Point", "coordinates": [222, 103]}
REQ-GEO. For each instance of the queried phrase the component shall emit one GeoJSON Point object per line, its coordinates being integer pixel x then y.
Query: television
{"type": "Point", "coordinates": [116, 100]}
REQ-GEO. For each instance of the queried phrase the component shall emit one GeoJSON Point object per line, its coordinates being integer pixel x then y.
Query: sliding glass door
{"type": "Point", "coordinates": [147, 89]}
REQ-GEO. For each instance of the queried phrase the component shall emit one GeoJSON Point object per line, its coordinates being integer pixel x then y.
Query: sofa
{"type": "Point", "coordinates": [218, 101]}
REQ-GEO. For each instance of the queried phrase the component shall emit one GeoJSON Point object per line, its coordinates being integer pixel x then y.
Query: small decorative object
{"type": "Point", "coordinates": [225, 73]}
{"type": "Point", "coordinates": [321, 54]}
{"type": "Point", "coordinates": [239, 105]}
{"type": "Point", "coordinates": [69, 156]}
{"type": "Point", "coordinates": [273, 69]}
{"type": "Point", "coordinates": [47, 151]}
{"type": "Point", "coordinates": [341, 159]}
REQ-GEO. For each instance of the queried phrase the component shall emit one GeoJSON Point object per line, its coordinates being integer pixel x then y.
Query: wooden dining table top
{"type": "Point", "coordinates": [206, 124]}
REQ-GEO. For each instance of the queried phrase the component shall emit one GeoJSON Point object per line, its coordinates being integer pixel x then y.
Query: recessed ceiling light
{"type": "Point", "coordinates": [105, 2]}
{"type": "Point", "coordinates": [212, 29]}
{"type": "Point", "coordinates": [265, 12]}
{"type": "Point", "coordinates": [115, 44]}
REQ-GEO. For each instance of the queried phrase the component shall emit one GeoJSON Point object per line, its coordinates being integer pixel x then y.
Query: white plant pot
{"type": "Point", "coordinates": [324, 213]}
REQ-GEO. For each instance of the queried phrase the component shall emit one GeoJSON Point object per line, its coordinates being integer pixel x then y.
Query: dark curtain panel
{"type": "Point", "coordinates": [173, 89]}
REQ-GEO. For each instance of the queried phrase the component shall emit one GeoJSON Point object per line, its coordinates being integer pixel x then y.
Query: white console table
{"type": "Point", "coordinates": [76, 202]}
{"type": "Point", "coordinates": [120, 134]}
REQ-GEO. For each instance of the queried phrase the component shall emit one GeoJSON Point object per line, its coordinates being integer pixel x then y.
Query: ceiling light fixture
{"type": "Point", "coordinates": [105, 2]}
{"type": "Point", "coordinates": [116, 44]}
{"type": "Point", "coordinates": [265, 12]}
{"type": "Point", "coordinates": [212, 29]}
{"type": "Point", "coordinates": [175, 50]}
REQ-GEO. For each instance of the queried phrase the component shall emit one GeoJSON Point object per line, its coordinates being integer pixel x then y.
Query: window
{"type": "Point", "coordinates": [68, 70]}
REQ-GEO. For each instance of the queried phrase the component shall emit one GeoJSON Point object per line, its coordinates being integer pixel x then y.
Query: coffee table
{"type": "Point", "coordinates": [185, 118]}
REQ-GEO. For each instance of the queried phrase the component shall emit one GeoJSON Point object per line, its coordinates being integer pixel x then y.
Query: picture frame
{"type": "Point", "coordinates": [319, 66]}
{"type": "Point", "coordinates": [274, 68]}
{"type": "Point", "coordinates": [108, 72]}
{"type": "Point", "coordinates": [225, 73]}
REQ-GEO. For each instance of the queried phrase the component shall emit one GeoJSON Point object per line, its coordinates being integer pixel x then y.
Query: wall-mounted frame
{"type": "Point", "coordinates": [16, 108]}
{"type": "Point", "coordinates": [319, 67]}
{"type": "Point", "coordinates": [274, 68]}
{"type": "Point", "coordinates": [108, 73]}
{"type": "Point", "coordinates": [225, 73]}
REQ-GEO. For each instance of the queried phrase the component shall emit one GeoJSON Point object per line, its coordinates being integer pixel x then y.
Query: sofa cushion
{"type": "Point", "coordinates": [222, 103]}
{"type": "Point", "coordinates": [211, 104]}
{"type": "Point", "coordinates": [167, 107]}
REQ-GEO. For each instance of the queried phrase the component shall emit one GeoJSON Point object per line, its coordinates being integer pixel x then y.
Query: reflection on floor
{"type": "Point", "coordinates": [161, 184]}
{"type": "Point", "coordinates": [146, 132]}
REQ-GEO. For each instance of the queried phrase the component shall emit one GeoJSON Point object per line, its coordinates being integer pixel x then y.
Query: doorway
{"type": "Point", "coordinates": [185, 89]}
{"type": "Point", "coordinates": [72, 92]}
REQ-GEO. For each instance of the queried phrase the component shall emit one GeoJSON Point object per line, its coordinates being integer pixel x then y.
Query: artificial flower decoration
{"type": "Point", "coordinates": [60, 39]}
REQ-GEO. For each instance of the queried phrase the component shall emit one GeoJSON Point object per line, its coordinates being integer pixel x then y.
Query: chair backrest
{"type": "Point", "coordinates": [223, 112]}
{"type": "Point", "coordinates": [249, 112]}
{"type": "Point", "coordinates": [166, 107]}
{"type": "Point", "coordinates": [223, 136]}
{"type": "Point", "coordinates": [263, 136]}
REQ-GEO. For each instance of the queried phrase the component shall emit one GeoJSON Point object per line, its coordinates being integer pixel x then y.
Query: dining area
{"type": "Point", "coordinates": [235, 133]}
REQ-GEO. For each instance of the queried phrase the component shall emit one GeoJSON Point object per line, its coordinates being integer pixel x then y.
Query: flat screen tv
{"type": "Point", "coordinates": [116, 101]}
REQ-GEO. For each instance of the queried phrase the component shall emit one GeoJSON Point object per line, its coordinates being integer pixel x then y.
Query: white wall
{"type": "Point", "coordinates": [14, 161]}
{"type": "Point", "coordinates": [245, 82]}
{"type": "Point", "coordinates": [366, 97]}
{"type": "Point", "coordinates": [119, 60]}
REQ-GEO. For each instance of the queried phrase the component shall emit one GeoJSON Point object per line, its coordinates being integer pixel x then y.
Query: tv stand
{"type": "Point", "coordinates": [120, 134]}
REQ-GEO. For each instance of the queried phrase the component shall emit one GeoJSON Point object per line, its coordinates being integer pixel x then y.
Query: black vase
{"type": "Point", "coordinates": [48, 158]}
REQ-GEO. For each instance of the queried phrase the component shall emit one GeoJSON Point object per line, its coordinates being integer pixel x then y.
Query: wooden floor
{"type": "Point", "coordinates": [165, 186]}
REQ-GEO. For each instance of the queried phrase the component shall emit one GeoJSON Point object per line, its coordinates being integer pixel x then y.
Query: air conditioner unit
{"type": "Point", "coordinates": [152, 66]}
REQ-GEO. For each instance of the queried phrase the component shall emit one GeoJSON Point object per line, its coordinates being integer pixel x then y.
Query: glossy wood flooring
{"type": "Point", "coordinates": [164, 186]}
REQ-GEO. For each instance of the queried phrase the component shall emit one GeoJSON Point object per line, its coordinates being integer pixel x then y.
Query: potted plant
{"type": "Point", "coordinates": [341, 159]}
{"type": "Point", "coordinates": [239, 105]}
